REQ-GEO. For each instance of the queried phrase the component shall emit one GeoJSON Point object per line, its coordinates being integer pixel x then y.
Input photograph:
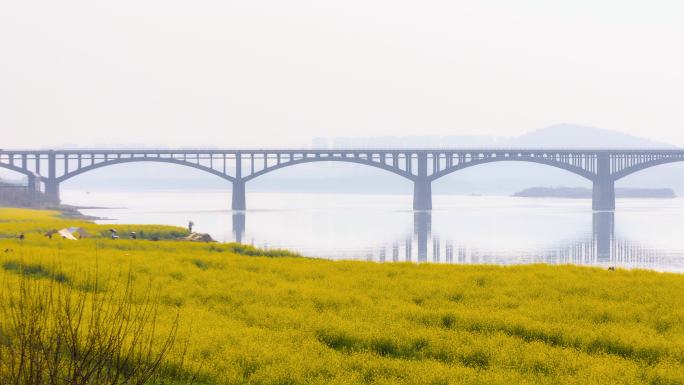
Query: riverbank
{"type": "Point", "coordinates": [14, 195]}
{"type": "Point", "coordinates": [586, 193]}
{"type": "Point", "coordinates": [252, 319]}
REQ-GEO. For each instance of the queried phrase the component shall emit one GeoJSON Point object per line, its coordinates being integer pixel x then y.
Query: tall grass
{"type": "Point", "coordinates": [260, 319]}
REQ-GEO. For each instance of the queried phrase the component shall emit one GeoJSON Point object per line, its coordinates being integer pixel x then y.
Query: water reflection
{"type": "Point", "coordinates": [495, 230]}
{"type": "Point", "coordinates": [239, 222]}
{"type": "Point", "coordinates": [600, 248]}
{"type": "Point", "coordinates": [422, 224]}
{"type": "Point", "coordinates": [603, 234]}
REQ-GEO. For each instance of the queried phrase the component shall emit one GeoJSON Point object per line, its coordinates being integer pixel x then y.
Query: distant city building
{"type": "Point", "coordinates": [320, 144]}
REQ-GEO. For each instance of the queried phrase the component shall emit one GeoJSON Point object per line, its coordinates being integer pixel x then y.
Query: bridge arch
{"type": "Point", "coordinates": [17, 169]}
{"type": "Point", "coordinates": [643, 166]}
{"type": "Point", "coordinates": [112, 162]}
{"type": "Point", "coordinates": [548, 162]}
{"type": "Point", "coordinates": [361, 161]}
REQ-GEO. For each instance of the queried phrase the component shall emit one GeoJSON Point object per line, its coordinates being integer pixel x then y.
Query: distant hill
{"type": "Point", "coordinates": [468, 141]}
{"type": "Point", "coordinates": [556, 136]}
{"type": "Point", "coordinates": [575, 136]}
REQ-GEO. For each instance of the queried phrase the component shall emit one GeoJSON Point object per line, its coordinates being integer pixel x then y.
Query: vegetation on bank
{"type": "Point", "coordinates": [250, 319]}
{"type": "Point", "coordinates": [586, 193]}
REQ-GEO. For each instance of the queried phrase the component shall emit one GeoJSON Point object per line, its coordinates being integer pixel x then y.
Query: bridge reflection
{"type": "Point", "coordinates": [239, 224]}
{"type": "Point", "coordinates": [599, 247]}
{"type": "Point", "coordinates": [603, 235]}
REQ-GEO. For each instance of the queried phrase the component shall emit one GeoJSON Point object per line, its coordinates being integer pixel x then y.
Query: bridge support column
{"type": "Point", "coordinates": [603, 193]}
{"type": "Point", "coordinates": [422, 185]}
{"type": "Point", "coordinates": [422, 194]}
{"type": "Point", "coordinates": [32, 183]}
{"type": "Point", "coordinates": [52, 191]}
{"type": "Point", "coordinates": [32, 187]}
{"type": "Point", "coordinates": [603, 198]}
{"type": "Point", "coordinates": [52, 185]}
{"type": "Point", "coordinates": [239, 200]}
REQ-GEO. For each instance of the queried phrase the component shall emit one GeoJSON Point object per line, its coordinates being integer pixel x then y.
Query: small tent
{"type": "Point", "coordinates": [66, 234]}
{"type": "Point", "coordinates": [199, 237]}
{"type": "Point", "coordinates": [82, 233]}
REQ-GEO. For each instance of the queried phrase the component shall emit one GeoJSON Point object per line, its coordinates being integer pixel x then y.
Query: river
{"type": "Point", "coordinates": [641, 233]}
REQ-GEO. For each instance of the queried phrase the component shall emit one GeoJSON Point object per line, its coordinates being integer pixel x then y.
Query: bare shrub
{"type": "Point", "coordinates": [53, 333]}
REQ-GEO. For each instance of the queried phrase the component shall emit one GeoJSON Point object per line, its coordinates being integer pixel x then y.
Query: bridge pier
{"type": "Point", "coordinates": [603, 192]}
{"type": "Point", "coordinates": [52, 191]}
{"type": "Point", "coordinates": [239, 199]}
{"type": "Point", "coordinates": [422, 185]}
{"type": "Point", "coordinates": [422, 194]}
{"type": "Point", "coordinates": [33, 186]}
{"type": "Point", "coordinates": [51, 184]}
{"type": "Point", "coordinates": [31, 183]}
{"type": "Point", "coordinates": [603, 195]}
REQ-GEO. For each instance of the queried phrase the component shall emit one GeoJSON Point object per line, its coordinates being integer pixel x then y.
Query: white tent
{"type": "Point", "coordinates": [66, 234]}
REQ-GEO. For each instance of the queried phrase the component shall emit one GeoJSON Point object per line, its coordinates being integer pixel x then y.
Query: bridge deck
{"type": "Point", "coordinates": [420, 165]}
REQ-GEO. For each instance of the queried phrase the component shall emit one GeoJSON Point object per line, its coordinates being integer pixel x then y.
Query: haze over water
{"type": "Point", "coordinates": [642, 233]}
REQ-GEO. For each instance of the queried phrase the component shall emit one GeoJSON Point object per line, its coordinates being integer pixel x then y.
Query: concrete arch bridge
{"type": "Point", "coordinates": [46, 169]}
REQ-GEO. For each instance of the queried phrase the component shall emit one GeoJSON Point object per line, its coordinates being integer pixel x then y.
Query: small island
{"type": "Point", "coordinates": [585, 193]}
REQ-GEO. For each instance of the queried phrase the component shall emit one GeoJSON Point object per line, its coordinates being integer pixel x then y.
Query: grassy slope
{"type": "Point", "coordinates": [294, 320]}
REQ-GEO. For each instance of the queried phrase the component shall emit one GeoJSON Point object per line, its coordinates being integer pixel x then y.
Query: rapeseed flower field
{"type": "Point", "coordinates": [256, 317]}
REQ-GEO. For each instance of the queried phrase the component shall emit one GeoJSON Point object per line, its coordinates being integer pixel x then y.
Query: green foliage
{"type": "Point", "coordinates": [248, 250]}
{"type": "Point", "coordinates": [257, 319]}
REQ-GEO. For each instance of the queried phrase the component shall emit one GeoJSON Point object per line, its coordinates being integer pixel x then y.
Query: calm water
{"type": "Point", "coordinates": [461, 229]}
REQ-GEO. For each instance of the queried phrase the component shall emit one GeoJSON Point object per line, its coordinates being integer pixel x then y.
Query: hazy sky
{"type": "Point", "coordinates": [275, 72]}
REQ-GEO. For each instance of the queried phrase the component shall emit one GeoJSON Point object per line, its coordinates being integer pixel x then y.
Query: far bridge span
{"type": "Point", "coordinates": [46, 169]}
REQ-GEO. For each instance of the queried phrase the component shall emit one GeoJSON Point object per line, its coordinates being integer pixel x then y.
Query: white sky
{"type": "Point", "coordinates": [278, 73]}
